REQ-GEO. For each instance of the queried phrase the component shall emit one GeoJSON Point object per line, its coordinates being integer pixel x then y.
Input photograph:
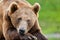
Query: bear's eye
{"type": "Point", "coordinates": [28, 21]}
{"type": "Point", "coordinates": [19, 19]}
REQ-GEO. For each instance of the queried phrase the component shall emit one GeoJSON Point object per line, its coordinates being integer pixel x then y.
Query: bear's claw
{"type": "Point", "coordinates": [28, 37]}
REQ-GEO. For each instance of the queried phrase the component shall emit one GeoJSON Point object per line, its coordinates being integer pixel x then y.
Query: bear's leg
{"type": "Point", "coordinates": [36, 31]}
{"type": "Point", "coordinates": [39, 35]}
{"type": "Point", "coordinates": [28, 36]}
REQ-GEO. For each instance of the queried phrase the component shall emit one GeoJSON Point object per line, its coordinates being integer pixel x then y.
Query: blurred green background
{"type": "Point", "coordinates": [49, 17]}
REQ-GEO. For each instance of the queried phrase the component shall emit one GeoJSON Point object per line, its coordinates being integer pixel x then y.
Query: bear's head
{"type": "Point", "coordinates": [23, 17]}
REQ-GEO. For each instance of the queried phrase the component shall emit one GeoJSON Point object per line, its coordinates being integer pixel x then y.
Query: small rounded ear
{"type": "Point", "coordinates": [36, 8]}
{"type": "Point", "coordinates": [13, 7]}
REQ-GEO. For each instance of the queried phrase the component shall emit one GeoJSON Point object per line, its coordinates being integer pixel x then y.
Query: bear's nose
{"type": "Point", "coordinates": [21, 31]}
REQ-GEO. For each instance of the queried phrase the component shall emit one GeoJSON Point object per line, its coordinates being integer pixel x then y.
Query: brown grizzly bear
{"type": "Point", "coordinates": [18, 17]}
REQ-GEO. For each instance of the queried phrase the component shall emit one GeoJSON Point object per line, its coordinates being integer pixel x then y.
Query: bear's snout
{"type": "Point", "coordinates": [22, 27]}
{"type": "Point", "coordinates": [21, 31]}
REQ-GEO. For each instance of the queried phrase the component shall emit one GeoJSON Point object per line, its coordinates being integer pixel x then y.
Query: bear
{"type": "Point", "coordinates": [19, 21]}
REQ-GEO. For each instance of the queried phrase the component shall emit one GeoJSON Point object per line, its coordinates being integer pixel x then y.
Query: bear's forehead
{"type": "Point", "coordinates": [24, 11]}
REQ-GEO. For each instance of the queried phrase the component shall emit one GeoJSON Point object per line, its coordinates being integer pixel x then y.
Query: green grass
{"type": "Point", "coordinates": [49, 21]}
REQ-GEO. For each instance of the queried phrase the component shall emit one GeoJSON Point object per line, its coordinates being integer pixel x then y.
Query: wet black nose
{"type": "Point", "coordinates": [21, 31]}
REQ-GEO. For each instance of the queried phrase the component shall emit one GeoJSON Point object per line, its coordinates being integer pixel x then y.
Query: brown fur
{"type": "Point", "coordinates": [10, 11]}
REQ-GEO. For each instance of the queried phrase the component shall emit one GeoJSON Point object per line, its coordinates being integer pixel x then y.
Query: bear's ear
{"type": "Point", "coordinates": [13, 7]}
{"type": "Point", "coordinates": [36, 8]}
